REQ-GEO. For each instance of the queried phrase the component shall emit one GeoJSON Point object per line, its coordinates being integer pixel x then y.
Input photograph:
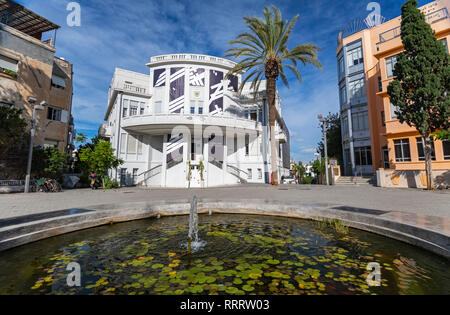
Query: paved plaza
{"type": "Point", "coordinates": [432, 203]}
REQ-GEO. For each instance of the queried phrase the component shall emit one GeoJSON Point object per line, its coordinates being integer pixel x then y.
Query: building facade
{"type": "Point", "coordinates": [185, 125]}
{"type": "Point", "coordinates": [30, 69]}
{"type": "Point", "coordinates": [372, 137]}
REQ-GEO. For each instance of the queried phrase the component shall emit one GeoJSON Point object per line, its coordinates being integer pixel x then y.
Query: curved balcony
{"type": "Point", "coordinates": [155, 123]}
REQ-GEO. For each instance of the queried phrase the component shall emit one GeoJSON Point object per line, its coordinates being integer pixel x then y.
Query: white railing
{"type": "Point", "coordinates": [192, 57]}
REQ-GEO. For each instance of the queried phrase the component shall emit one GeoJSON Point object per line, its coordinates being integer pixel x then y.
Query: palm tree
{"type": "Point", "coordinates": [263, 52]}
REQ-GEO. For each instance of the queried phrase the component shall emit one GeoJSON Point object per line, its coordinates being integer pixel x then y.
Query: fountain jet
{"type": "Point", "coordinates": [193, 224]}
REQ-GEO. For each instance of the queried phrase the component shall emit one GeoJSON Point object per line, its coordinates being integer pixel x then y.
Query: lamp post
{"type": "Point", "coordinates": [324, 126]}
{"type": "Point", "coordinates": [32, 101]}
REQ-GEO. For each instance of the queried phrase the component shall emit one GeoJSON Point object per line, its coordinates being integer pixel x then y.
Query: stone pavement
{"type": "Point", "coordinates": [367, 197]}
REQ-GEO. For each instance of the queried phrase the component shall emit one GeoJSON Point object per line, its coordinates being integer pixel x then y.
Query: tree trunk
{"type": "Point", "coordinates": [428, 160]}
{"type": "Point", "coordinates": [271, 90]}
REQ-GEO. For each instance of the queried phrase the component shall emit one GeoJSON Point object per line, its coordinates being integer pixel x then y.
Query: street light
{"type": "Point", "coordinates": [324, 126]}
{"type": "Point", "coordinates": [32, 101]}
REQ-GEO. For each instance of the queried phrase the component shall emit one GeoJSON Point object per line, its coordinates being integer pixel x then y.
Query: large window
{"type": "Point", "coordinates": [421, 149]}
{"type": "Point", "coordinates": [343, 94]}
{"type": "Point", "coordinates": [390, 65]}
{"type": "Point", "coordinates": [54, 114]}
{"type": "Point", "coordinates": [58, 82]}
{"type": "Point", "coordinates": [125, 108]}
{"type": "Point", "coordinates": [402, 150]}
{"type": "Point", "coordinates": [158, 107]}
{"type": "Point", "coordinates": [446, 149]}
{"type": "Point", "coordinates": [354, 57]}
{"type": "Point", "coordinates": [341, 67]}
{"type": "Point", "coordinates": [360, 121]}
{"type": "Point", "coordinates": [357, 88]}
{"type": "Point", "coordinates": [123, 143]}
{"type": "Point", "coordinates": [363, 156]}
{"type": "Point", "coordinates": [394, 109]}
{"type": "Point", "coordinates": [8, 64]}
{"type": "Point", "coordinates": [345, 126]}
{"type": "Point", "coordinates": [132, 144]}
{"type": "Point", "coordinates": [134, 108]}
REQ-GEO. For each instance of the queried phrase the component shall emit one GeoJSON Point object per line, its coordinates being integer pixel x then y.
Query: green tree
{"type": "Point", "coordinates": [263, 51]}
{"type": "Point", "coordinates": [56, 161]}
{"type": "Point", "coordinates": [318, 167]}
{"type": "Point", "coordinates": [12, 129]}
{"type": "Point", "coordinates": [300, 170]}
{"type": "Point", "coordinates": [334, 138]}
{"type": "Point", "coordinates": [422, 79]}
{"type": "Point", "coordinates": [100, 159]}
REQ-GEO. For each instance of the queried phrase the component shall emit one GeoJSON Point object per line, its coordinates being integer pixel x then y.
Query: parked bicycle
{"type": "Point", "coordinates": [48, 185]}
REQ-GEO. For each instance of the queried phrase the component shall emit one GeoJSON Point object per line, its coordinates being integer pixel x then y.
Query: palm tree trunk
{"type": "Point", "coordinates": [428, 160]}
{"type": "Point", "coordinates": [271, 90]}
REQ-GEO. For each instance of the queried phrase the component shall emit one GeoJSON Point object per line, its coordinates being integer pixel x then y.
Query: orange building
{"type": "Point", "coordinates": [374, 141]}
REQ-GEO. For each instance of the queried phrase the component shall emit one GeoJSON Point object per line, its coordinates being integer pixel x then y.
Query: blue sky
{"type": "Point", "coordinates": [126, 34]}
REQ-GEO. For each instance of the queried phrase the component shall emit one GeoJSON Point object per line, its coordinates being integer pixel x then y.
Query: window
{"type": "Point", "coordinates": [192, 110]}
{"type": "Point", "coordinates": [390, 65]}
{"type": "Point", "coordinates": [343, 95]}
{"type": "Point", "coordinates": [58, 82]}
{"type": "Point", "coordinates": [158, 107]}
{"type": "Point", "coordinates": [123, 142]}
{"type": "Point", "coordinates": [444, 41]}
{"type": "Point", "coordinates": [134, 108]}
{"type": "Point", "coordinates": [360, 121]}
{"type": "Point", "coordinates": [131, 147]}
{"type": "Point", "coordinates": [402, 150]}
{"type": "Point", "coordinates": [247, 145]}
{"type": "Point", "coordinates": [8, 65]}
{"type": "Point", "coordinates": [254, 115]}
{"type": "Point", "coordinates": [125, 108]}
{"type": "Point", "coordinates": [354, 57]}
{"type": "Point", "coordinates": [363, 156]}
{"type": "Point", "coordinates": [123, 176]}
{"type": "Point", "coordinates": [54, 114]}
{"type": "Point", "coordinates": [380, 85]}
{"type": "Point", "coordinates": [249, 173]}
{"type": "Point", "coordinates": [341, 67]}
{"type": "Point", "coordinates": [393, 110]}
{"type": "Point", "coordinates": [140, 142]}
{"type": "Point", "coordinates": [446, 149]}
{"type": "Point", "coordinates": [383, 118]}
{"type": "Point", "coordinates": [421, 149]}
{"type": "Point", "coordinates": [385, 153]}
{"type": "Point", "coordinates": [142, 109]}
{"type": "Point", "coordinates": [260, 173]}
{"type": "Point", "coordinates": [345, 126]}
{"type": "Point", "coordinates": [260, 115]}
{"type": "Point", "coordinates": [357, 89]}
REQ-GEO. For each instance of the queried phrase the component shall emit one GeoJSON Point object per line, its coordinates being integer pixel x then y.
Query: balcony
{"type": "Point", "coordinates": [154, 123]}
{"type": "Point", "coordinates": [134, 89]}
{"type": "Point", "coordinates": [431, 18]}
{"type": "Point", "coordinates": [180, 58]}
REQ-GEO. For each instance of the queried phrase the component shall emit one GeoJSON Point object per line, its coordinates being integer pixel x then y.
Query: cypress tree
{"type": "Point", "coordinates": [422, 80]}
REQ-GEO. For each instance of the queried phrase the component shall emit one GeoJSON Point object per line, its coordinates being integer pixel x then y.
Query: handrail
{"type": "Point", "coordinates": [150, 172]}
{"type": "Point", "coordinates": [236, 172]}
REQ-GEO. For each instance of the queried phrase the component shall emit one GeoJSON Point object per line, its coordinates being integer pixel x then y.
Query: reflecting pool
{"type": "Point", "coordinates": [240, 255]}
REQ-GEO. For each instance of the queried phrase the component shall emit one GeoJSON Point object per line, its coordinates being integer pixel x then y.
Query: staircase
{"type": "Point", "coordinates": [352, 180]}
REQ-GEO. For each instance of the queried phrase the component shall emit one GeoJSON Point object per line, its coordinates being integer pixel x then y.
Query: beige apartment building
{"type": "Point", "coordinates": [30, 69]}
{"type": "Point", "coordinates": [374, 140]}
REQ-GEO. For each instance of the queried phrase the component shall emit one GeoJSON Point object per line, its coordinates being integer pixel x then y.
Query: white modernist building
{"type": "Point", "coordinates": [185, 125]}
